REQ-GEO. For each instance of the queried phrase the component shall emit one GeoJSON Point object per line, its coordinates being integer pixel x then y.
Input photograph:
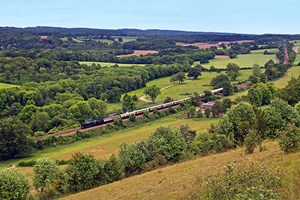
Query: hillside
{"type": "Point", "coordinates": [177, 181]}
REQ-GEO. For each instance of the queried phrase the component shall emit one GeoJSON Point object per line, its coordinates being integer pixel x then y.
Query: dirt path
{"type": "Point", "coordinates": [143, 98]}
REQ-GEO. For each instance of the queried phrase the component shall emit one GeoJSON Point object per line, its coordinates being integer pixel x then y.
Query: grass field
{"type": "Point", "coordinates": [103, 146]}
{"type": "Point", "coordinates": [5, 85]}
{"type": "Point", "coordinates": [177, 89]}
{"type": "Point", "coordinates": [292, 72]}
{"type": "Point", "coordinates": [247, 60]}
{"type": "Point", "coordinates": [179, 180]}
{"type": "Point", "coordinates": [106, 64]}
{"type": "Point", "coordinates": [261, 51]}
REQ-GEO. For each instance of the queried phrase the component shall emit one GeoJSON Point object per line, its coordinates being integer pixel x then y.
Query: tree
{"type": "Point", "coordinates": [169, 143]}
{"type": "Point", "coordinates": [128, 103]}
{"type": "Point", "coordinates": [132, 118]}
{"type": "Point", "coordinates": [252, 139]}
{"type": "Point", "coordinates": [40, 121]}
{"type": "Point", "coordinates": [15, 138]}
{"type": "Point", "coordinates": [153, 92]}
{"type": "Point", "coordinates": [219, 80]}
{"type": "Point", "coordinates": [297, 107]}
{"type": "Point", "coordinates": [113, 169]}
{"type": "Point", "coordinates": [290, 139]}
{"type": "Point", "coordinates": [194, 72]}
{"type": "Point", "coordinates": [216, 109]}
{"type": "Point", "coordinates": [132, 159]}
{"type": "Point", "coordinates": [226, 104]}
{"type": "Point", "coordinates": [98, 107]}
{"type": "Point", "coordinates": [256, 70]}
{"type": "Point", "coordinates": [45, 173]}
{"type": "Point", "coordinates": [81, 172]}
{"type": "Point", "coordinates": [291, 92]}
{"type": "Point", "coordinates": [13, 185]}
{"type": "Point", "coordinates": [268, 122]}
{"type": "Point", "coordinates": [80, 111]}
{"type": "Point", "coordinates": [207, 112]}
{"type": "Point", "coordinates": [113, 95]}
{"type": "Point", "coordinates": [26, 113]}
{"type": "Point", "coordinates": [181, 77]}
{"type": "Point", "coordinates": [242, 117]}
{"type": "Point", "coordinates": [168, 99]}
{"type": "Point", "coordinates": [287, 112]}
{"type": "Point", "coordinates": [227, 88]}
{"type": "Point", "coordinates": [253, 79]}
{"type": "Point", "coordinates": [269, 64]}
{"type": "Point", "coordinates": [263, 78]}
{"type": "Point", "coordinates": [232, 70]}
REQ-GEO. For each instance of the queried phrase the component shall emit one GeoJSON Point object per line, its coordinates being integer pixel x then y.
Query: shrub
{"type": "Point", "coordinates": [251, 141]}
{"type": "Point", "coordinates": [45, 173]}
{"type": "Point", "coordinates": [254, 183]}
{"type": "Point", "coordinates": [206, 143]}
{"type": "Point", "coordinates": [13, 185]}
{"type": "Point", "coordinates": [118, 122]}
{"type": "Point", "coordinates": [80, 173]}
{"type": "Point", "coordinates": [290, 139]}
{"type": "Point", "coordinates": [132, 159]}
{"type": "Point", "coordinates": [132, 118]}
{"type": "Point", "coordinates": [169, 142]}
{"type": "Point", "coordinates": [29, 163]}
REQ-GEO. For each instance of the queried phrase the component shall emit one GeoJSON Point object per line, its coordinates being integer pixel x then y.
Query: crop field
{"type": "Point", "coordinates": [107, 64]}
{"type": "Point", "coordinates": [247, 60]}
{"type": "Point", "coordinates": [139, 53]}
{"type": "Point", "coordinates": [179, 180]}
{"type": "Point", "coordinates": [126, 38]}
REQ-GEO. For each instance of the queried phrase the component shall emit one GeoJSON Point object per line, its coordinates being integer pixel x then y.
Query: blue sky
{"type": "Point", "coordinates": [242, 16]}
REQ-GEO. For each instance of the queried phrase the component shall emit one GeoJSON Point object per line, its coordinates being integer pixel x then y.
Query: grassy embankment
{"type": "Point", "coordinates": [179, 180]}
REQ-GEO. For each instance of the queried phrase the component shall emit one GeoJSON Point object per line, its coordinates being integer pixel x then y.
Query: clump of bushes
{"type": "Point", "coordinates": [256, 182]}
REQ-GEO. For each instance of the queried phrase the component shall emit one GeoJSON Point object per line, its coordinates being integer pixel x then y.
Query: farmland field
{"type": "Point", "coordinates": [247, 60]}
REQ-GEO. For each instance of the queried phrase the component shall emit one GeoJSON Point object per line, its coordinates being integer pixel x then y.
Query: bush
{"type": "Point", "coordinates": [80, 173]}
{"type": "Point", "coordinates": [29, 163]}
{"type": "Point", "coordinates": [254, 183]}
{"type": "Point", "coordinates": [118, 122]}
{"type": "Point", "coordinates": [290, 139]}
{"type": "Point", "coordinates": [13, 185]}
{"type": "Point", "coordinates": [45, 173]}
{"type": "Point", "coordinates": [251, 141]}
{"type": "Point", "coordinates": [206, 143]}
{"type": "Point", "coordinates": [132, 118]}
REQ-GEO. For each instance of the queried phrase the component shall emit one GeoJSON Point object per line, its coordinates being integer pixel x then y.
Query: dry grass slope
{"type": "Point", "coordinates": [176, 181]}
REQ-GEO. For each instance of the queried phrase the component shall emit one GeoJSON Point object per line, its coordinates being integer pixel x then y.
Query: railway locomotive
{"type": "Point", "coordinates": [106, 120]}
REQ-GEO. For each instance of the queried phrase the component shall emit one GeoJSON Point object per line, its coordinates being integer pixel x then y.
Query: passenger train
{"type": "Point", "coordinates": [110, 119]}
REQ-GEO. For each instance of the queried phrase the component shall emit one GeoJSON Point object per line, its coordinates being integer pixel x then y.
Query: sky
{"type": "Point", "coordinates": [235, 16]}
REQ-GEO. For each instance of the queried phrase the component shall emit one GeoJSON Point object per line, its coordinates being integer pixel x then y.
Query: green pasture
{"type": "Point", "coordinates": [261, 51]}
{"type": "Point", "coordinates": [105, 145]}
{"type": "Point", "coordinates": [247, 60]}
{"type": "Point", "coordinates": [107, 64]}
